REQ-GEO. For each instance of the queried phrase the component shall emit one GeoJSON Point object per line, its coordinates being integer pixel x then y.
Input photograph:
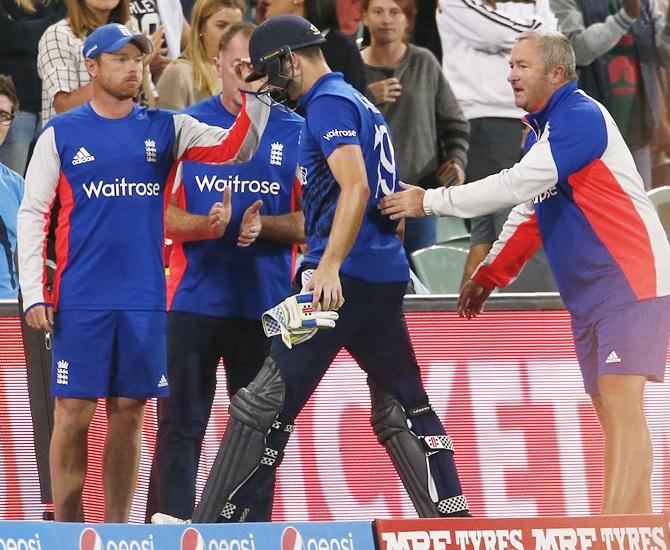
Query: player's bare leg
{"type": "Point", "coordinates": [122, 456]}
{"type": "Point", "coordinates": [68, 455]}
{"type": "Point", "coordinates": [628, 451]}
{"type": "Point", "coordinates": [602, 418]}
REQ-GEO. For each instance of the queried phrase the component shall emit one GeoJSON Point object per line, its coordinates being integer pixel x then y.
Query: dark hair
{"type": "Point", "coordinates": [323, 13]}
{"type": "Point", "coordinates": [310, 52]}
{"type": "Point", "coordinates": [7, 89]}
{"type": "Point", "coordinates": [408, 7]}
{"type": "Point", "coordinates": [243, 27]}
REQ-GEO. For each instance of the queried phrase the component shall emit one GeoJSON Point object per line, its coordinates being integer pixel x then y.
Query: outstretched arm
{"type": "Point", "coordinates": [201, 142]}
{"type": "Point", "coordinates": [204, 143]}
{"type": "Point", "coordinates": [580, 142]}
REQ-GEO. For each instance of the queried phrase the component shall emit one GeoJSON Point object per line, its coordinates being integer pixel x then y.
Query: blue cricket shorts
{"type": "Point", "coordinates": [109, 354]}
{"type": "Point", "coordinates": [631, 339]}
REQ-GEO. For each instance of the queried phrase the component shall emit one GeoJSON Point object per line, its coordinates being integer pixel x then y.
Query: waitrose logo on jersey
{"type": "Point", "coordinates": [237, 185]}
{"type": "Point", "coordinates": [121, 188]}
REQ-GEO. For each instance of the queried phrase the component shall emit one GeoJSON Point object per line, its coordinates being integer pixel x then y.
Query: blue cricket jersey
{"type": "Point", "coordinates": [336, 114]}
{"type": "Point", "coordinates": [216, 277]}
{"type": "Point", "coordinates": [211, 111]}
{"type": "Point", "coordinates": [109, 176]}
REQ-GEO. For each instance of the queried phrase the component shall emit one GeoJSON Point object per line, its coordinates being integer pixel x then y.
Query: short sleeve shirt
{"type": "Point", "coordinates": [206, 276]}
{"type": "Point", "coordinates": [336, 115]}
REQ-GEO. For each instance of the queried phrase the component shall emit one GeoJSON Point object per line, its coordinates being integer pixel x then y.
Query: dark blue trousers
{"type": "Point", "coordinates": [196, 343]}
{"type": "Point", "coordinates": [373, 330]}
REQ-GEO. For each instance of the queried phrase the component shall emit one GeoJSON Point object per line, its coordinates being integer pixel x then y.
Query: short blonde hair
{"type": "Point", "coordinates": [555, 51]}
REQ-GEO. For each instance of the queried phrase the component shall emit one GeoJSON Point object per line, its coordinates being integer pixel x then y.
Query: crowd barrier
{"type": "Point", "coordinates": [30, 535]}
{"type": "Point", "coordinates": [645, 532]}
{"type": "Point", "coordinates": [507, 386]}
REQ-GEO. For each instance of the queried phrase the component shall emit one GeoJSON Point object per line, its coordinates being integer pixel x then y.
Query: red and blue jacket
{"type": "Point", "coordinates": [579, 194]}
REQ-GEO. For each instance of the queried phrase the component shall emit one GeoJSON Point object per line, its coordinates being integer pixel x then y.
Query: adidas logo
{"type": "Point", "coordinates": [612, 358]}
{"type": "Point", "coordinates": [162, 382]}
{"type": "Point", "coordinates": [82, 156]}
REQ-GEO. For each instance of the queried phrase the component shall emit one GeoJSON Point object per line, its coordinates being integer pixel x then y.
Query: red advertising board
{"type": "Point", "coordinates": [644, 532]}
{"type": "Point", "coordinates": [506, 385]}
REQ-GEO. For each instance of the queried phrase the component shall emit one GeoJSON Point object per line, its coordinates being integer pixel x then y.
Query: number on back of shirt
{"type": "Point", "coordinates": [386, 170]}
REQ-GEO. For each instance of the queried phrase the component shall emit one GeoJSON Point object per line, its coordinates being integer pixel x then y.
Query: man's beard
{"type": "Point", "coordinates": [124, 91]}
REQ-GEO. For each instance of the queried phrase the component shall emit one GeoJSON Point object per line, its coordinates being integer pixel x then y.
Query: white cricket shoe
{"type": "Point", "coordinates": [165, 519]}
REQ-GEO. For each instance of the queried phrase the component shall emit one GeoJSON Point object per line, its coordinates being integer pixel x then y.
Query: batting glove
{"type": "Point", "coordinates": [296, 319]}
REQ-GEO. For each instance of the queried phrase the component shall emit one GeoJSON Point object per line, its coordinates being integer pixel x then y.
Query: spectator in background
{"type": "Point", "coordinates": [11, 193]}
{"type": "Point", "coordinates": [192, 77]}
{"type": "Point", "coordinates": [477, 37]}
{"type": "Point", "coordinates": [425, 31]}
{"type": "Point", "coordinates": [164, 20]}
{"type": "Point", "coordinates": [340, 51]}
{"type": "Point", "coordinates": [619, 46]}
{"type": "Point", "coordinates": [60, 59]}
{"type": "Point", "coordinates": [22, 23]}
{"type": "Point", "coordinates": [350, 18]}
{"type": "Point", "coordinates": [427, 125]}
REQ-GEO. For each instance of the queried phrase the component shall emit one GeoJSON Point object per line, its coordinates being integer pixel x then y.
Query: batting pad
{"type": "Point", "coordinates": [252, 412]}
{"type": "Point", "coordinates": [415, 454]}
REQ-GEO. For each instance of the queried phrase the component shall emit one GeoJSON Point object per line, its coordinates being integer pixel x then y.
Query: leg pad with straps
{"type": "Point", "coordinates": [423, 462]}
{"type": "Point", "coordinates": [253, 411]}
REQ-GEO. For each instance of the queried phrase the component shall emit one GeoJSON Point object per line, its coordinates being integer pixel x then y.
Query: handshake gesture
{"type": "Point", "coordinates": [296, 319]}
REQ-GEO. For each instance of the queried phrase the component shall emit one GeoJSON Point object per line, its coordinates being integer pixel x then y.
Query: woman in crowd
{"type": "Point", "coordinates": [60, 59]}
{"type": "Point", "coordinates": [22, 23]}
{"type": "Point", "coordinates": [192, 77]}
